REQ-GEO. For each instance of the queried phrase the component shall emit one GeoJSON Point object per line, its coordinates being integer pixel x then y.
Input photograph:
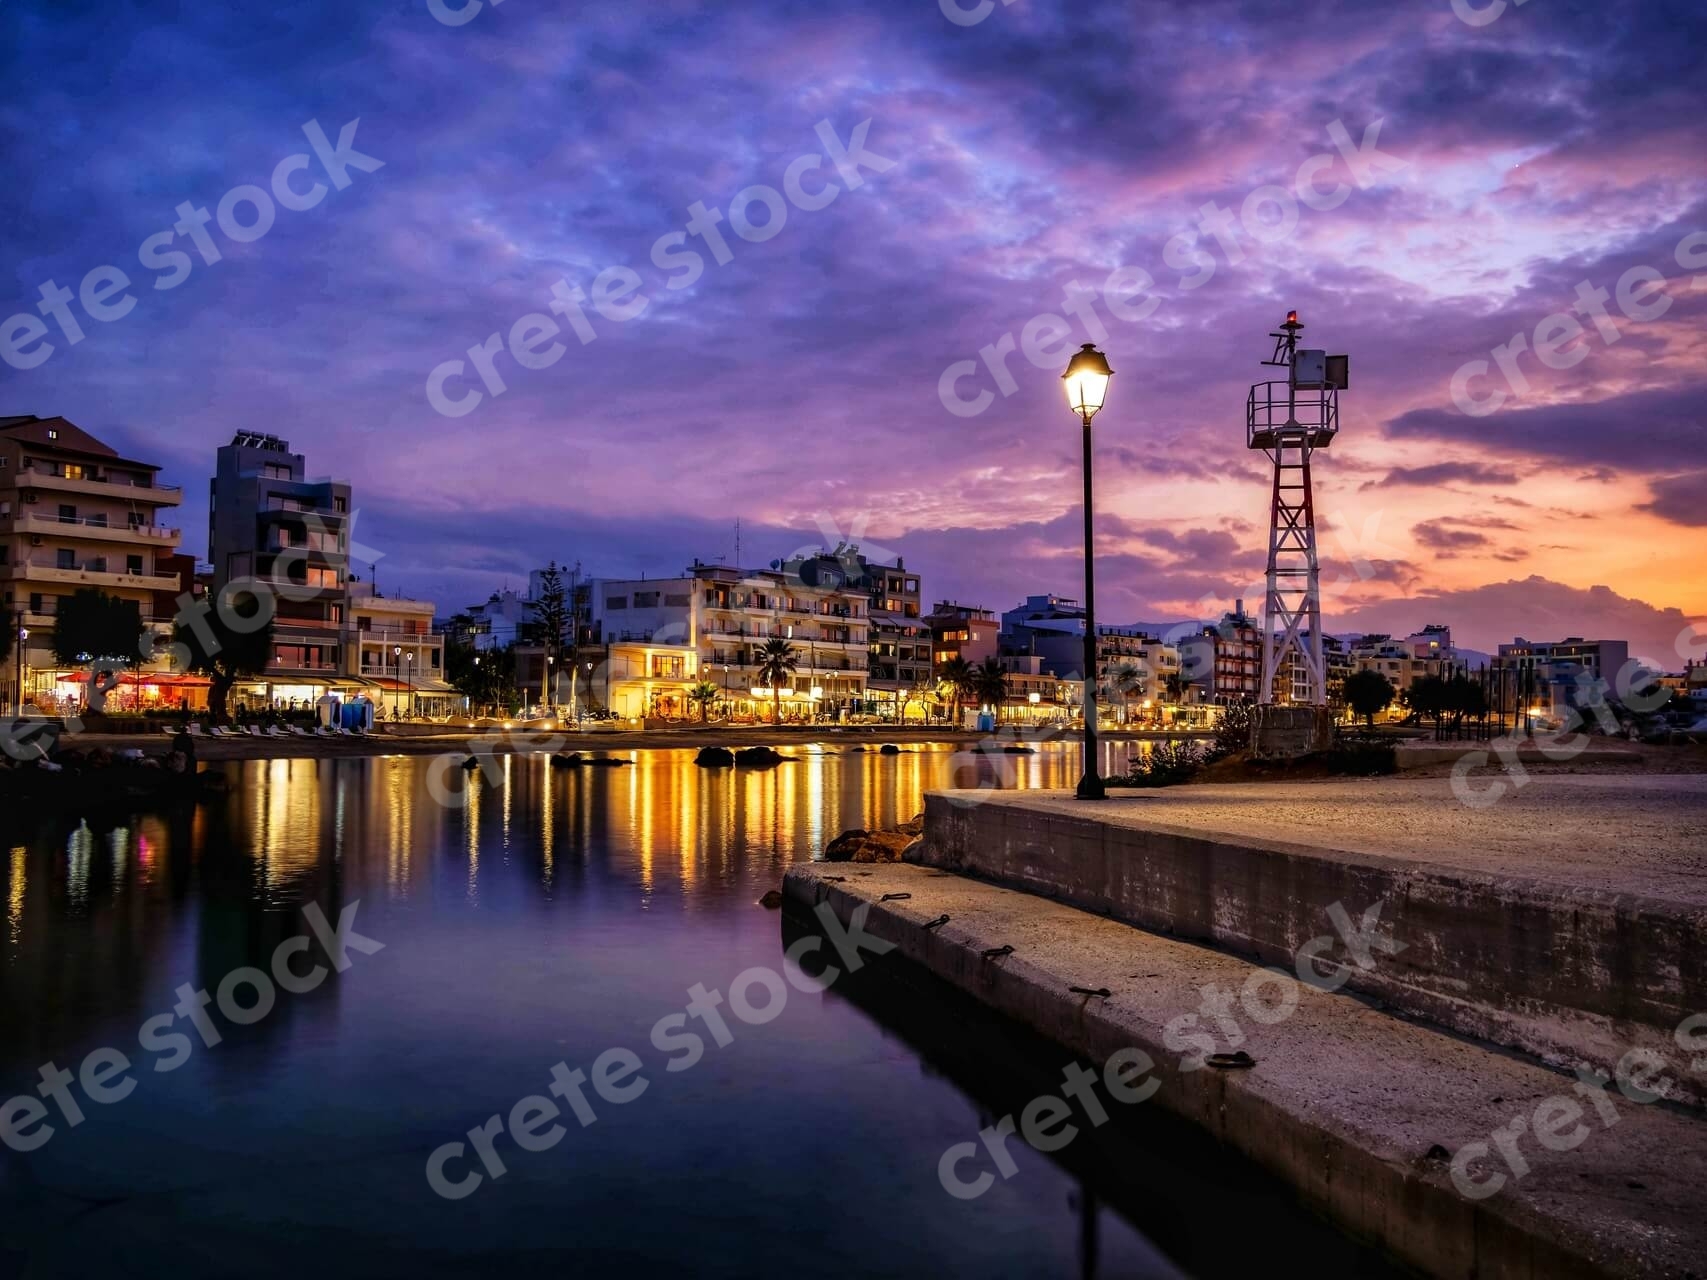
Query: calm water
{"type": "Point", "coordinates": [558, 915]}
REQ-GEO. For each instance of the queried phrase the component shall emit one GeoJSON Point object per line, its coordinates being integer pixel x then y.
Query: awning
{"type": "Point", "coordinates": [425, 685]}
{"type": "Point", "coordinates": [160, 679]}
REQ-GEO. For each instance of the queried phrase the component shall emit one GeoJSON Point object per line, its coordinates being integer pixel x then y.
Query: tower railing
{"type": "Point", "coordinates": [1276, 408]}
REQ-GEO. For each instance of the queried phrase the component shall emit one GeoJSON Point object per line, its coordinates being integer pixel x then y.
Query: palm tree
{"type": "Point", "coordinates": [777, 661]}
{"type": "Point", "coordinates": [961, 679]}
{"type": "Point", "coordinates": [704, 693]}
{"type": "Point", "coordinates": [990, 684]}
{"type": "Point", "coordinates": [1127, 682]}
{"type": "Point", "coordinates": [1173, 684]}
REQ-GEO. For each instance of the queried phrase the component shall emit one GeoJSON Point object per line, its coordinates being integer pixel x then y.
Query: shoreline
{"type": "Point", "coordinates": [389, 742]}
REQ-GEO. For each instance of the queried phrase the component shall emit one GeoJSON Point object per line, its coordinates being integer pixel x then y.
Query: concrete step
{"type": "Point", "coordinates": [1568, 919]}
{"type": "Point", "coordinates": [1360, 1110]}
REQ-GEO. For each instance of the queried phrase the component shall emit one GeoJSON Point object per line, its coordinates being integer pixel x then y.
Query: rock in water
{"type": "Point", "coordinates": [772, 899]}
{"type": "Point", "coordinates": [860, 845]}
{"type": "Point", "coordinates": [715, 757]}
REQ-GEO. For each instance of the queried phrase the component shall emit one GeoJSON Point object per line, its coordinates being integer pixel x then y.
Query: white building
{"type": "Point", "coordinates": [665, 635]}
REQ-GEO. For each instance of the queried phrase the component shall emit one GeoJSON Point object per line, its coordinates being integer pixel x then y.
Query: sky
{"type": "Point", "coordinates": [899, 187]}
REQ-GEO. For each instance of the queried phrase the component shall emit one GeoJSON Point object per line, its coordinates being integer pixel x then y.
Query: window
{"type": "Point", "coordinates": [666, 666]}
{"type": "Point", "coordinates": [616, 602]}
{"type": "Point", "coordinates": [66, 558]}
{"type": "Point", "coordinates": [67, 513]}
{"type": "Point", "coordinates": [133, 564]}
{"type": "Point", "coordinates": [677, 602]}
{"type": "Point", "coordinates": [645, 599]}
{"type": "Point", "coordinates": [52, 434]}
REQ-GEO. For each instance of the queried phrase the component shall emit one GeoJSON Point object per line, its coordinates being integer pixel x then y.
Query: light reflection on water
{"type": "Point", "coordinates": [553, 915]}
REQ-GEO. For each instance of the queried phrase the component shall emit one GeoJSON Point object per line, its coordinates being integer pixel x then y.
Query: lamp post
{"type": "Point", "coordinates": [23, 639]}
{"type": "Point", "coordinates": [409, 680]}
{"type": "Point", "coordinates": [397, 666]}
{"type": "Point", "coordinates": [1086, 384]}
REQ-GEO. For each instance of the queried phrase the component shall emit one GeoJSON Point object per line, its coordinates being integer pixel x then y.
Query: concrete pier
{"type": "Point", "coordinates": [1567, 920]}
{"type": "Point", "coordinates": [1361, 1111]}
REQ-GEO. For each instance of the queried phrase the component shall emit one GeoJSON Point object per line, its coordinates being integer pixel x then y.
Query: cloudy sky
{"type": "Point", "coordinates": [1484, 172]}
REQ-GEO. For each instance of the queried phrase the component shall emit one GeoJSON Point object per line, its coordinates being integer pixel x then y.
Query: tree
{"type": "Point", "coordinates": [990, 684]}
{"type": "Point", "coordinates": [92, 624]}
{"type": "Point", "coordinates": [1173, 686]}
{"type": "Point", "coordinates": [1465, 697]}
{"type": "Point", "coordinates": [1368, 693]}
{"type": "Point", "coordinates": [484, 676]}
{"type": "Point", "coordinates": [1430, 696]}
{"type": "Point", "coordinates": [103, 631]}
{"type": "Point", "coordinates": [704, 693]}
{"type": "Point", "coordinates": [1126, 683]}
{"type": "Point", "coordinates": [921, 692]}
{"type": "Point", "coordinates": [962, 682]}
{"type": "Point", "coordinates": [550, 622]}
{"type": "Point", "coordinates": [226, 644]}
{"type": "Point", "coordinates": [777, 662]}
{"type": "Point", "coordinates": [1233, 730]}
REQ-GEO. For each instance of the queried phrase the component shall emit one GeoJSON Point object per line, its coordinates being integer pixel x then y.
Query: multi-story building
{"type": "Point", "coordinates": [74, 515]}
{"type": "Point", "coordinates": [962, 631]}
{"type": "Point", "coordinates": [1034, 696]}
{"type": "Point", "coordinates": [898, 666]}
{"type": "Point", "coordinates": [392, 646]}
{"type": "Point", "coordinates": [268, 522]}
{"type": "Point", "coordinates": [493, 624]}
{"type": "Point", "coordinates": [1428, 652]}
{"type": "Point", "coordinates": [1043, 613]}
{"type": "Point", "coordinates": [1557, 677]}
{"type": "Point", "coordinates": [664, 636]}
{"type": "Point", "coordinates": [1340, 664]}
{"type": "Point", "coordinates": [1225, 660]}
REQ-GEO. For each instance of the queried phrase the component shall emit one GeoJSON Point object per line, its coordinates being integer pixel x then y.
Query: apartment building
{"type": "Point", "coordinates": [663, 636]}
{"type": "Point", "coordinates": [962, 631]}
{"type": "Point", "coordinates": [1225, 660]}
{"type": "Point", "coordinates": [1044, 613]}
{"type": "Point", "coordinates": [1553, 678]}
{"type": "Point", "coordinates": [898, 663]}
{"type": "Point", "coordinates": [269, 522]}
{"type": "Point", "coordinates": [392, 647]}
{"type": "Point", "coordinates": [1428, 652]}
{"type": "Point", "coordinates": [74, 515]}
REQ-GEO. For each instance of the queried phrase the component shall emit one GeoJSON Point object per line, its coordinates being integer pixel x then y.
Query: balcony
{"type": "Point", "coordinates": [82, 576]}
{"type": "Point", "coordinates": [95, 528]}
{"type": "Point", "coordinates": [161, 495]}
{"type": "Point", "coordinates": [280, 511]}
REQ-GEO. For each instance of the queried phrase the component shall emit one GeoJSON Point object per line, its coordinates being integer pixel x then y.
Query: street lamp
{"type": "Point", "coordinates": [23, 638]}
{"type": "Point", "coordinates": [1086, 383]}
{"type": "Point", "coordinates": [409, 680]}
{"type": "Point", "coordinates": [397, 663]}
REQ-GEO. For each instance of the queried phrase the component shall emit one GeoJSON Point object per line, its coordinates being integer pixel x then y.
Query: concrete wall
{"type": "Point", "coordinates": [1566, 974]}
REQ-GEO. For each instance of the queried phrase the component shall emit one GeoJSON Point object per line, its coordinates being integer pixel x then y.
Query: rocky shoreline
{"type": "Point", "coordinates": [892, 844]}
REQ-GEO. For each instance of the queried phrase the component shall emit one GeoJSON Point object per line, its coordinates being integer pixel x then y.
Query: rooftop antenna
{"type": "Point", "coordinates": [1288, 421]}
{"type": "Point", "coordinates": [737, 542]}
